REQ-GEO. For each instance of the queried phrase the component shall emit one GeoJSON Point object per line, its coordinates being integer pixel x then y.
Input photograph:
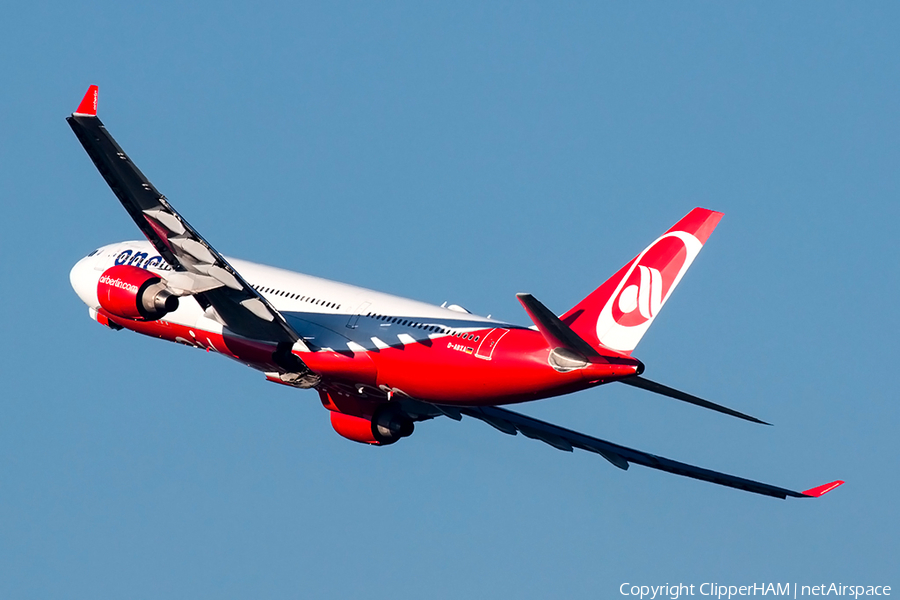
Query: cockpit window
{"type": "Point", "coordinates": [97, 251]}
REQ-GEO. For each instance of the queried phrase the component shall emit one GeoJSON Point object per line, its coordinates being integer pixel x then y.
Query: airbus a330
{"type": "Point", "coordinates": [380, 363]}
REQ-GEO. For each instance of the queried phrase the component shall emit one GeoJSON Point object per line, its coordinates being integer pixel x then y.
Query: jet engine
{"type": "Point", "coordinates": [385, 427]}
{"type": "Point", "coordinates": [134, 293]}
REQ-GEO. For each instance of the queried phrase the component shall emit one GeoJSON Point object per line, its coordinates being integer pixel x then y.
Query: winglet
{"type": "Point", "coordinates": [88, 106]}
{"type": "Point", "coordinates": [822, 489]}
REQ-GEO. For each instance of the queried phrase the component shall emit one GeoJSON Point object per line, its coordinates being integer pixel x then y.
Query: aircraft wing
{"type": "Point", "coordinates": [197, 264]}
{"type": "Point", "coordinates": [511, 422]}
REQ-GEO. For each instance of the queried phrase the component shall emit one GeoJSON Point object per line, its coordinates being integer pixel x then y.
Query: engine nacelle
{"type": "Point", "coordinates": [134, 293]}
{"type": "Point", "coordinates": [385, 427]}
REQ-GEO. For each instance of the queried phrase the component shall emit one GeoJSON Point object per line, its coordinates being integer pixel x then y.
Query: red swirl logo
{"type": "Point", "coordinates": [648, 284]}
{"type": "Point", "coordinates": [644, 289]}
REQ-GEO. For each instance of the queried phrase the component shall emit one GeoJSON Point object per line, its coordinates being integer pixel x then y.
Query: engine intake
{"type": "Point", "coordinates": [134, 293]}
{"type": "Point", "coordinates": [389, 425]}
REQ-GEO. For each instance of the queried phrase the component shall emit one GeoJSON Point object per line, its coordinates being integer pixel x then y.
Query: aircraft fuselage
{"type": "Point", "coordinates": [373, 344]}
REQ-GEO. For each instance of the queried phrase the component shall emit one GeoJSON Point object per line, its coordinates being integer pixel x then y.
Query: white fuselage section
{"type": "Point", "coordinates": [326, 313]}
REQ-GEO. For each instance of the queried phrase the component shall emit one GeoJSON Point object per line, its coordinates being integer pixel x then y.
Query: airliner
{"type": "Point", "coordinates": [380, 363]}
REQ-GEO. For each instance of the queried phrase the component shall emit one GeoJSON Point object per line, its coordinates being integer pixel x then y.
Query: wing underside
{"type": "Point", "coordinates": [199, 269]}
{"type": "Point", "coordinates": [511, 423]}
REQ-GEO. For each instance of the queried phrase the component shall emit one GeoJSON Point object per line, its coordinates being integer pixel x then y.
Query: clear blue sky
{"type": "Point", "coordinates": [459, 152]}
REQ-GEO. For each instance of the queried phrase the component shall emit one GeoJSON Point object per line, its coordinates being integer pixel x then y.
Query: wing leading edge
{"type": "Point", "coordinates": [200, 270]}
{"type": "Point", "coordinates": [511, 422]}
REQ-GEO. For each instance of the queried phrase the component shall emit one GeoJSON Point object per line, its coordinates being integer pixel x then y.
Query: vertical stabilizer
{"type": "Point", "coordinates": [618, 313]}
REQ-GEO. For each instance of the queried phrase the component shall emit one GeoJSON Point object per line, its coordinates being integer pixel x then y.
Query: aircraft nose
{"type": "Point", "coordinates": [83, 279]}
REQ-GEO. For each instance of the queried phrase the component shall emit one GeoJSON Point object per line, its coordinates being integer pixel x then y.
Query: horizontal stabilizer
{"type": "Point", "coordinates": [557, 333]}
{"type": "Point", "coordinates": [658, 388]}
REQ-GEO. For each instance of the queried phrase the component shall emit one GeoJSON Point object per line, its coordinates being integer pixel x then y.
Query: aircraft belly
{"type": "Point", "coordinates": [255, 354]}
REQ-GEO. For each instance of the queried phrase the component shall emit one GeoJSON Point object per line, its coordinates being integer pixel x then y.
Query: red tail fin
{"type": "Point", "coordinates": [618, 313]}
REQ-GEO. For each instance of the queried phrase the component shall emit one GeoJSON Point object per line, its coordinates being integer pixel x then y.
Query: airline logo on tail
{"type": "Point", "coordinates": [644, 289]}
{"type": "Point", "coordinates": [646, 295]}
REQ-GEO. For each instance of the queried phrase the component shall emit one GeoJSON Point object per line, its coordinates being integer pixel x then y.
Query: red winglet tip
{"type": "Point", "coordinates": [822, 489]}
{"type": "Point", "coordinates": [88, 106]}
